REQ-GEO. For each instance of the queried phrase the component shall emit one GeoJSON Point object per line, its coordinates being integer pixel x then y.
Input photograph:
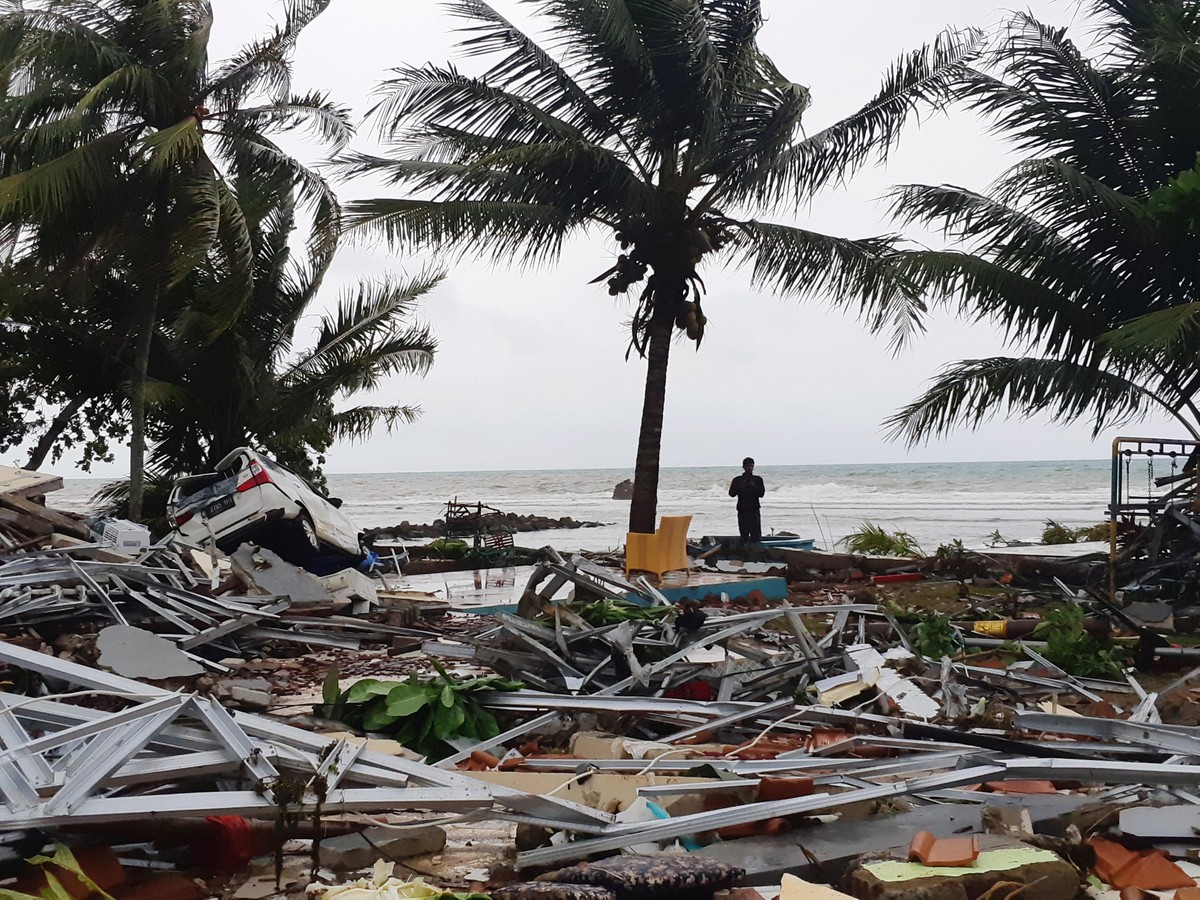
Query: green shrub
{"type": "Point", "coordinates": [1075, 651]}
{"type": "Point", "coordinates": [449, 548]}
{"type": "Point", "coordinates": [1057, 533]}
{"type": "Point", "coordinates": [933, 636]}
{"type": "Point", "coordinates": [422, 714]}
{"type": "Point", "coordinates": [875, 540]}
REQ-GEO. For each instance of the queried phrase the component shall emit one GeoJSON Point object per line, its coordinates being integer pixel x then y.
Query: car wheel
{"type": "Point", "coordinates": [306, 535]}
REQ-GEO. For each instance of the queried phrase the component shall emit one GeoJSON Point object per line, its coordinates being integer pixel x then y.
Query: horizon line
{"type": "Point", "coordinates": [629, 469]}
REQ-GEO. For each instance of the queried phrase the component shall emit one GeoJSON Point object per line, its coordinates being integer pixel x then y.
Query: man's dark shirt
{"type": "Point", "coordinates": [748, 489]}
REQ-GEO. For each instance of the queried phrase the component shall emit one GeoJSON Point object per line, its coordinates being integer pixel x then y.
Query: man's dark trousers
{"type": "Point", "coordinates": [750, 523]}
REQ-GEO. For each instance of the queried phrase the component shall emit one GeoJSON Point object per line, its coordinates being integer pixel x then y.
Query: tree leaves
{"type": "Point", "coordinates": [1085, 252]}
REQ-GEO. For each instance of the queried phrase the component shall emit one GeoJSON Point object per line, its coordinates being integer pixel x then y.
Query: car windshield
{"type": "Point", "coordinates": [197, 489]}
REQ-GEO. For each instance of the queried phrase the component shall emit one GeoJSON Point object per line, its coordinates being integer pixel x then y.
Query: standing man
{"type": "Point", "coordinates": [749, 489]}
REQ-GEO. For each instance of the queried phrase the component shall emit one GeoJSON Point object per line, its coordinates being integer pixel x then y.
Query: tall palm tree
{"type": "Point", "coordinates": [1081, 251]}
{"type": "Point", "coordinates": [659, 121]}
{"type": "Point", "coordinates": [116, 143]}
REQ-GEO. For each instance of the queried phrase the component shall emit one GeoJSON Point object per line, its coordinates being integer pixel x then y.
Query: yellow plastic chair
{"type": "Point", "coordinates": [663, 551]}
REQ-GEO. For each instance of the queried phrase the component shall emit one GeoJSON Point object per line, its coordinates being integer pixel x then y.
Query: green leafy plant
{"type": "Point", "coordinates": [1072, 649]}
{"type": "Point", "coordinates": [449, 548]}
{"type": "Point", "coordinates": [874, 539]}
{"type": "Point", "coordinates": [933, 636]}
{"type": "Point", "coordinates": [63, 860]}
{"type": "Point", "coordinates": [599, 613]}
{"type": "Point", "coordinates": [1100, 532]}
{"type": "Point", "coordinates": [996, 539]}
{"type": "Point", "coordinates": [422, 714]}
{"type": "Point", "coordinates": [955, 560]}
{"type": "Point", "coordinates": [1057, 533]}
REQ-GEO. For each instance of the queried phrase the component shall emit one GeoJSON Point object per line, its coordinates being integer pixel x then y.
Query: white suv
{"type": "Point", "coordinates": [252, 496]}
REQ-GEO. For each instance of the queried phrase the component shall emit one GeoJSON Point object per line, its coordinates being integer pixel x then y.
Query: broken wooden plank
{"type": "Point", "coordinates": [26, 483]}
{"type": "Point", "coordinates": [56, 519]}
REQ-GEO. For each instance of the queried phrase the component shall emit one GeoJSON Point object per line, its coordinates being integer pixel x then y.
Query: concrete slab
{"type": "Point", "coordinates": [136, 653]}
{"type": "Point", "coordinates": [1161, 821]}
{"type": "Point", "coordinates": [271, 575]}
{"type": "Point", "coordinates": [360, 851]}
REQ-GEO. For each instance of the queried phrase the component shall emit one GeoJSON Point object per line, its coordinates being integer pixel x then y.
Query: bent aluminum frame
{"type": "Point", "coordinates": [83, 766]}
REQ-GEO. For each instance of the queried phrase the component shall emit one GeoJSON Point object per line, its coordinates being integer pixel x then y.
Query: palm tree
{"type": "Point", "coordinates": [254, 385]}
{"type": "Point", "coordinates": [1081, 251]}
{"type": "Point", "coordinates": [660, 122]}
{"type": "Point", "coordinates": [116, 143]}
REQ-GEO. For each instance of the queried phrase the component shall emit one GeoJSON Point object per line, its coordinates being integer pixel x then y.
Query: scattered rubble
{"type": "Point", "coordinates": [800, 724]}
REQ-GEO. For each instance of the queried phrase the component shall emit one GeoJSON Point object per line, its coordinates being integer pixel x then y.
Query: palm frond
{"type": "Point", "coordinates": [600, 39]}
{"type": "Point", "coordinates": [1029, 309]}
{"type": "Point", "coordinates": [371, 322]}
{"type": "Point", "coordinates": [1051, 100]}
{"type": "Point", "coordinates": [254, 155]}
{"type": "Point", "coordinates": [79, 178]}
{"type": "Point", "coordinates": [264, 65]}
{"type": "Point", "coordinates": [442, 97]}
{"type": "Point", "coordinates": [501, 231]}
{"type": "Point", "coordinates": [167, 149]}
{"type": "Point", "coordinates": [315, 112]}
{"type": "Point", "coordinates": [924, 78]}
{"type": "Point", "coordinates": [972, 392]}
{"type": "Point", "coordinates": [528, 72]}
{"type": "Point", "coordinates": [360, 422]}
{"type": "Point", "coordinates": [1162, 333]}
{"type": "Point", "coordinates": [195, 238]}
{"type": "Point", "coordinates": [760, 125]}
{"type": "Point", "coordinates": [843, 271]}
{"type": "Point", "coordinates": [128, 86]}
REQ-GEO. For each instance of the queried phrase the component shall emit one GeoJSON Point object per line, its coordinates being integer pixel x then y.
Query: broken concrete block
{"type": "Point", "coordinates": [1045, 874]}
{"type": "Point", "coordinates": [351, 584]}
{"type": "Point", "coordinates": [137, 653]}
{"type": "Point", "coordinates": [254, 692]}
{"type": "Point", "coordinates": [1013, 821]}
{"type": "Point", "coordinates": [1152, 614]}
{"type": "Point", "coordinates": [359, 851]}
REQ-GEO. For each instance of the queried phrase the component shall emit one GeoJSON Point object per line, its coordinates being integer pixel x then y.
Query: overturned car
{"type": "Point", "coordinates": [250, 497]}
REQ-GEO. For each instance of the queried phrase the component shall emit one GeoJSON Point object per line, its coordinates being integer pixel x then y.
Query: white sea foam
{"type": "Point", "coordinates": [935, 502]}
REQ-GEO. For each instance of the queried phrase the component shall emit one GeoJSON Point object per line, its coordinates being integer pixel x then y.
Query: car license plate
{"type": "Point", "coordinates": [219, 506]}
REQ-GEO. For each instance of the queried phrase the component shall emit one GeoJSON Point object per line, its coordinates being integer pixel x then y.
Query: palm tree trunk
{"type": "Point", "coordinates": [46, 442]}
{"type": "Point", "coordinates": [137, 406]}
{"type": "Point", "coordinates": [643, 511]}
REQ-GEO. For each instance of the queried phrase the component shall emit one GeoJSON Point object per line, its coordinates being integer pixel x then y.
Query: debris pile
{"type": "Point", "coordinates": [801, 727]}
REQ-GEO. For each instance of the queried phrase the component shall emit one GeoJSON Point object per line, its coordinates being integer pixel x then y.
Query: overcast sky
{"type": "Point", "coordinates": [531, 371]}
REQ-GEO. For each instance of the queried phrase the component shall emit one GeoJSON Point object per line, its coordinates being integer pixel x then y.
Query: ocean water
{"type": "Point", "coordinates": [934, 502]}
